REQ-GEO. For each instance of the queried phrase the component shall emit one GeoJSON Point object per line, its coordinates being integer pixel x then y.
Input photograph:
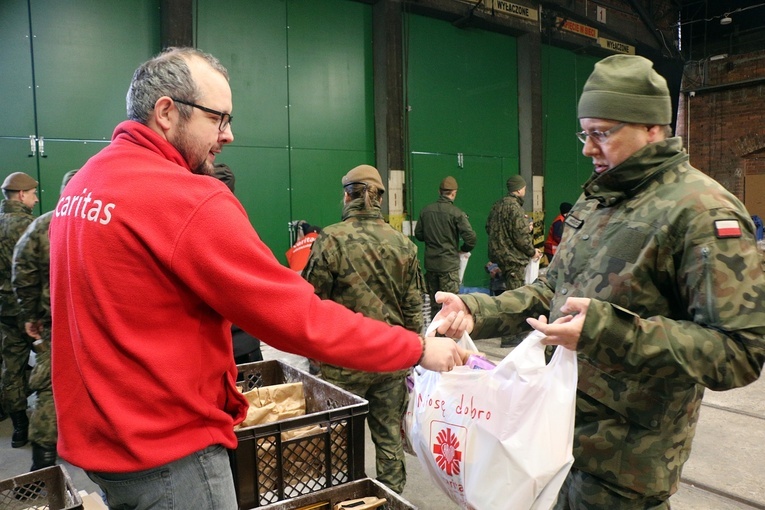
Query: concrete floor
{"type": "Point", "coordinates": [726, 470]}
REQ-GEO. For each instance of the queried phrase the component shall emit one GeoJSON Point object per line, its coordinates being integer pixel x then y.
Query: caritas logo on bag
{"type": "Point", "coordinates": [447, 447]}
{"type": "Point", "coordinates": [446, 420]}
{"type": "Point", "coordinates": [448, 441]}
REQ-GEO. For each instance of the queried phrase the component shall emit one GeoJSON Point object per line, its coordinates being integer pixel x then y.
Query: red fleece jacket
{"type": "Point", "coordinates": [149, 266]}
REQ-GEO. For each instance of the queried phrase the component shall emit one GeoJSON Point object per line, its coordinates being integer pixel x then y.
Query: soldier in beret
{"type": "Point", "coordinates": [657, 284]}
{"type": "Point", "coordinates": [20, 196]}
{"type": "Point", "coordinates": [369, 267]}
{"type": "Point", "coordinates": [440, 226]}
{"type": "Point", "coordinates": [31, 285]}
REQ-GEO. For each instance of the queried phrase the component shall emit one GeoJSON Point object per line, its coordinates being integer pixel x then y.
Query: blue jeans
{"type": "Point", "coordinates": [201, 480]}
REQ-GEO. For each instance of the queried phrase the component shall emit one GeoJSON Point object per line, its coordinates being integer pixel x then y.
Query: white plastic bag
{"type": "Point", "coordinates": [532, 271]}
{"type": "Point", "coordinates": [464, 256]}
{"type": "Point", "coordinates": [501, 438]}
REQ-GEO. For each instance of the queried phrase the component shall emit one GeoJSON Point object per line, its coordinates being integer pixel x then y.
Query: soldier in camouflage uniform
{"type": "Point", "coordinates": [20, 192]}
{"type": "Point", "coordinates": [511, 244]}
{"type": "Point", "coordinates": [371, 268]}
{"type": "Point", "coordinates": [440, 226]}
{"type": "Point", "coordinates": [31, 284]}
{"type": "Point", "coordinates": [658, 286]}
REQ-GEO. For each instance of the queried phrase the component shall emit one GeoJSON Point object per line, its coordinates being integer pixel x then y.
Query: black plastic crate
{"type": "Point", "coordinates": [268, 469]}
{"type": "Point", "coordinates": [352, 490]}
{"type": "Point", "coordinates": [46, 489]}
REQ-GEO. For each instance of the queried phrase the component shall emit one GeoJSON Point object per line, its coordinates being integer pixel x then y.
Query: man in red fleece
{"type": "Point", "coordinates": [151, 261]}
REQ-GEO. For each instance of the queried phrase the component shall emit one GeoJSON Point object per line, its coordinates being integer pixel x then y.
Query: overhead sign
{"type": "Point", "coordinates": [520, 11]}
{"type": "Point", "coordinates": [577, 28]}
{"type": "Point", "coordinates": [616, 46]}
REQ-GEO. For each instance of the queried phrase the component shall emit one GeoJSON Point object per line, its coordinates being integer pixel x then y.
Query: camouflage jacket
{"type": "Point", "coordinates": [510, 239]}
{"type": "Point", "coordinates": [15, 217]}
{"type": "Point", "coordinates": [440, 227]}
{"type": "Point", "coordinates": [678, 304]}
{"type": "Point", "coordinates": [369, 267]}
{"type": "Point", "coordinates": [31, 272]}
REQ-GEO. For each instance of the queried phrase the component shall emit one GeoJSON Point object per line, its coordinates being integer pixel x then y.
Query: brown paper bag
{"type": "Point", "coordinates": [273, 403]}
{"type": "Point", "coordinates": [303, 460]}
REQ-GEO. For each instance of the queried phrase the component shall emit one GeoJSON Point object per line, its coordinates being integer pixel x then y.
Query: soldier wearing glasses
{"type": "Point", "coordinates": [658, 286]}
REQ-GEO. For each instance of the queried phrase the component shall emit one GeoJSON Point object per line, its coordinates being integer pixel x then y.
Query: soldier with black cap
{"type": "Point", "coordinates": [20, 196]}
{"type": "Point", "coordinates": [369, 267]}
{"type": "Point", "coordinates": [556, 231]}
{"type": "Point", "coordinates": [657, 284]}
{"type": "Point", "coordinates": [441, 226]}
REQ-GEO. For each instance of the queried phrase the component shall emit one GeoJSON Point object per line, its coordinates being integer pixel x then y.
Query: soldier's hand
{"type": "Point", "coordinates": [442, 354]}
{"type": "Point", "coordinates": [455, 316]}
{"type": "Point", "coordinates": [33, 329]}
{"type": "Point", "coordinates": [566, 330]}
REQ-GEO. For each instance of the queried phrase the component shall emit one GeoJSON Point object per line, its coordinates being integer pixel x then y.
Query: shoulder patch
{"type": "Point", "coordinates": [727, 228]}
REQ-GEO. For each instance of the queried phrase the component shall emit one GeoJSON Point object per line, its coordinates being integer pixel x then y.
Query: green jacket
{"type": "Point", "coordinates": [510, 240]}
{"type": "Point", "coordinates": [676, 307]}
{"type": "Point", "coordinates": [440, 227]}
{"type": "Point", "coordinates": [15, 217]}
{"type": "Point", "coordinates": [369, 267]}
{"type": "Point", "coordinates": [31, 272]}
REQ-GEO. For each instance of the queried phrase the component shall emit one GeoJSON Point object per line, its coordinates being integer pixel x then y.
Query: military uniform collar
{"type": "Point", "coordinates": [517, 198]}
{"type": "Point", "coordinates": [14, 206]}
{"type": "Point", "coordinates": [626, 179]}
{"type": "Point", "coordinates": [355, 209]}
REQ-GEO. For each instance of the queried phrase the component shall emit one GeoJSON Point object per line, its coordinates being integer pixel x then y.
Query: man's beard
{"type": "Point", "coordinates": [186, 148]}
{"type": "Point", "coordinates": [203, 169]}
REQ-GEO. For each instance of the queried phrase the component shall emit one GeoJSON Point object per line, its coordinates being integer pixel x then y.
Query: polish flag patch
{"type": "Point", "coordinates": [725, 229]}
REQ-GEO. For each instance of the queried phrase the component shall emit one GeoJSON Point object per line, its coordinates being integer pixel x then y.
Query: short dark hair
{"type": "Point", "coordinates": [309, 229]}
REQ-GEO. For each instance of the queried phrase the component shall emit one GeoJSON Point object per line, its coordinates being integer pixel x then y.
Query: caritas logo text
{"type": "Point", "coordinates": [448, 441]}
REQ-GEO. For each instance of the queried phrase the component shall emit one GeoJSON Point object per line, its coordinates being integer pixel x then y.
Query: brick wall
{"type": "Point", "coordinates": [721, 118]}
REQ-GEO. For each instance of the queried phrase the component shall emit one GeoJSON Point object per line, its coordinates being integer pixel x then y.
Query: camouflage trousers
{"type": "Point", "coordinates": [388, 398]}
{"type": "Point", "coordinates": [514, 276]}
{"type": "Point", "coordinates": [445, 282]}
{"type": "Point", "coordinates": [42, 424]}
{"type": "Point", "coordinates": [15, 378]}
{"type": "Point", "coordinates": [582, 491]}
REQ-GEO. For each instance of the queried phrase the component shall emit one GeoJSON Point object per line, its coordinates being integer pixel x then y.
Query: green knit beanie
{"type": "Point", "coordinates": [515, 183]}
{"type": "Point", "coordinates": [626, 88]}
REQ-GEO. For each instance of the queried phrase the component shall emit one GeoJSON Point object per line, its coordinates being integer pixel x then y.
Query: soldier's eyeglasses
{"type": "Point", "coordinates": [599, 136]}
{"type": "Point", "coordinates": [225, 118]}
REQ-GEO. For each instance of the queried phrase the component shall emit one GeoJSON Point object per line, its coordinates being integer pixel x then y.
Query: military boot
{"type": "Point", "coordinates": [20, 429]}
{"type": "Point", "coordinates": [43, 456]}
